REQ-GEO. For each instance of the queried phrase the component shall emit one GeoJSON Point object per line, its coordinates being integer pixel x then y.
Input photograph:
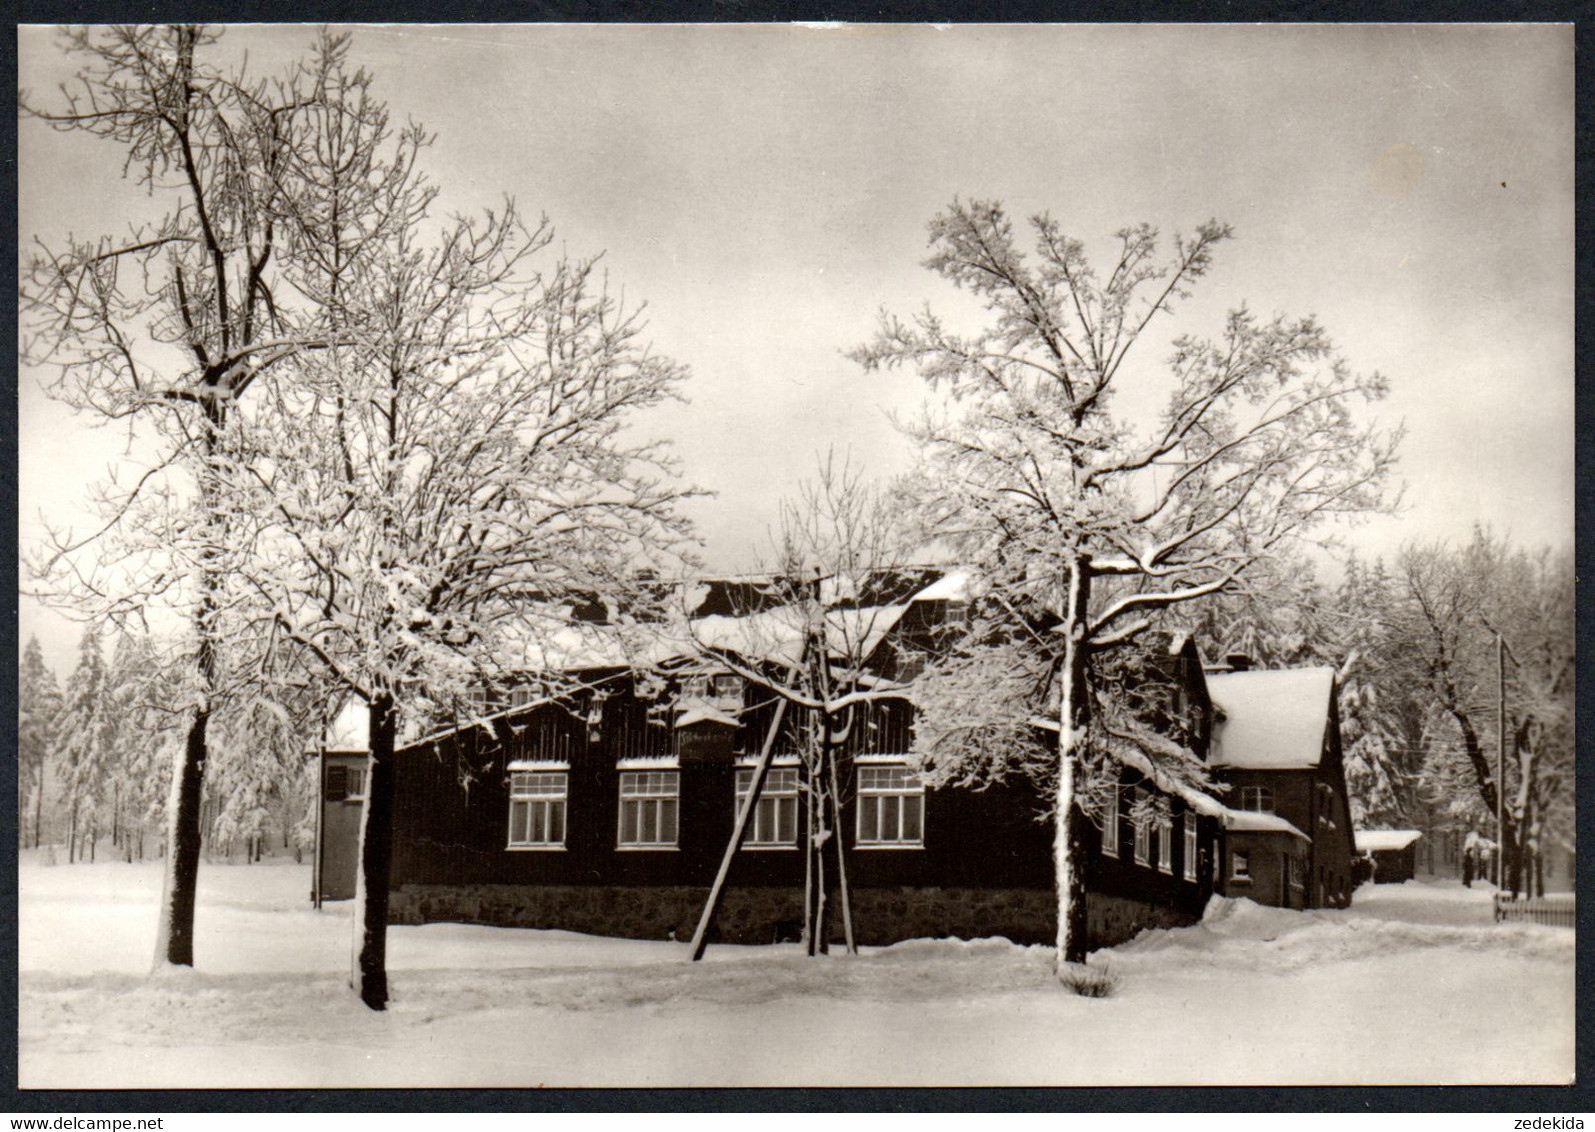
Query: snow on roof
{"type": "Point", "coordinates": [351, 729]}
{"type": "Point", "coordinates": [579, 645]}
{"type": "Point", "coordinates": [699, 711]}
{"type": "Point", "coordinates": [648, 762]}
{"type": "Point", "coordinates": [1273, 719]}
{"type": "Point", "coordinates": [778, 634]}
{"type": "Point", "coordinates": [1381, 840]}
{"type": "Point", "coordinates": [1250, 821]}
{"type": "Point", "coordinates": [951, 586]}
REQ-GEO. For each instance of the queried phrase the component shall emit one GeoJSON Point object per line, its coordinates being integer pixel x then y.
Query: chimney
{"type": "Point", "coordinates": [1238, 661]}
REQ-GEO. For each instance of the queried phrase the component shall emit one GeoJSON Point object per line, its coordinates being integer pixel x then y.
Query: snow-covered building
{"type": "Point", "coordinates": [1391, 852]}
{"type": "Point", "coordinates": [1277, 747]}
{"type": "Point", "coordinates": [608, 808]}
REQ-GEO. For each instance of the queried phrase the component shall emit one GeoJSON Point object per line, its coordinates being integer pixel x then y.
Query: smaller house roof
{"type": "Point", "coordinates": [1273, 719]}
{"type": "Point", "coordinates": [1384, 840]}
{"type": "Point", "coordinates": [1251, 821]}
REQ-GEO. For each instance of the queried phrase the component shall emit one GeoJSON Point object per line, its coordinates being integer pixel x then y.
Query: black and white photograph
{"type": "Point", "coordinates": [708, 555]}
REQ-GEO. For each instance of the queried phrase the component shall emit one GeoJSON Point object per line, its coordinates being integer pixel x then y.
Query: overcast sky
{"type": "Point", "coordinates": [766, 190]}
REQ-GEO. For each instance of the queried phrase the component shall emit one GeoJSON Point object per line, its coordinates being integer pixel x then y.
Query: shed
{"type": "Point", "coordinates": [1394, 853]}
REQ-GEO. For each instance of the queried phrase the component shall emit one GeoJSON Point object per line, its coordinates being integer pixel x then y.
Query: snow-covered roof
{"type": "Point", "coordinates": [951, 586]}
{"type": "Point", "coordinates": [583, 645]}
{"type": "Point", "coordinates": [1250, 821]}
{"type": "Point", "coordinates": [1272, 719]}
{"type": "Point", "coordinates": [699, 711]}
{"type": "Point", "coordinates": [350, 730]}
{"type": "Point", "coordinates": [1381, 840]}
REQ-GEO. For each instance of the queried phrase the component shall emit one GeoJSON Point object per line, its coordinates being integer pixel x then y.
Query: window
{"type": "Point", "coordinates": [891, 806]}
{"type": "Point", "coordinates": [1257, 798]}
{"type": "Point", "coordinates": [1294, 871]}
{"type": "Point", "coordinates": [649, 802]}
{"type": "Point", "coordinates": [1240, 866]}
{"type": "Point", "coordinates": [537, 809]}
{"type": "Point", "coordinates": [1190, 845]}
{"type": "Point", "coordinates": [1165, 840]}
{"type": "Point", "coordinates": [523, 694]}
{"type": "Point", "coordinates": [346, 783]}
{"type": "Point", "coordinates": [1110, 823]}
{"type": "Point", "coordinates": [774, 821]}
{"type": "Point", "coordinates": [722, 689]}
{"type": "Point", "coordinates": [1143, 829]}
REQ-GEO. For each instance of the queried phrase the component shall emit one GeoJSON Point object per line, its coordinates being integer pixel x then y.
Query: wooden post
{"type": "Point", "coordinates": [700, 937]}
{"type": "Point", "coordinates": [321, 794]}
{"type": "Point", "coordinates": [841, 857]}
{"type": "Point", "coordinates": [1500, 763]}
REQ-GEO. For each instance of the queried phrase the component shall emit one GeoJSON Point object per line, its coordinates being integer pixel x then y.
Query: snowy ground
{"type": "Point", "coordinates": [1412, 985]}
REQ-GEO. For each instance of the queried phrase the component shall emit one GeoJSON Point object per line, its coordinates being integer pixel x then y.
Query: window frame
{"type": "Point", "coordinates": [1165, 840]}
{"type": "Point", "coordinates": [1143, 828]}
{"type": "Point", "coordinates": [1258, 794]}
{"type": "Point", "coordinates": [1110, 827]}
{"type": "Point", "coordinates": [906, 787]}
{"type": "Point", "coordinates": [646, 798]}
{"type": "Point", "coordinates": [779, 795]}
{"type": "Point", "coordinates": [1240, 865]}
{"type": "Point", "coordinates": [1190, 846]}
{"type": "Point", "coordinates": [547, 801]}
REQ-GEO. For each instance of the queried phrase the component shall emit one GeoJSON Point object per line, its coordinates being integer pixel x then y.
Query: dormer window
{"type": "Point", "coordinates": [957, 614]}
{"type": "Point", "coordinates": [722, 689]}
{"type": "Point", "coordinates": [1258, 799]}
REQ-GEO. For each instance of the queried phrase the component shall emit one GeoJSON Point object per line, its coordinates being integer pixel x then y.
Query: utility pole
{"type": "Point", "coordinates": [1500, 764]}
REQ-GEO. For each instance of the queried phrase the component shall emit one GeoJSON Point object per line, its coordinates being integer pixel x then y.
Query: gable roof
{"type": "Point", "coordinates": [1272, 720]}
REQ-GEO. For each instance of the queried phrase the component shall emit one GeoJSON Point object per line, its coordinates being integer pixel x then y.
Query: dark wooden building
{"type": "Point", "coordinates": [1277, 747]}
{"type": "Point", "coordinates": [603, 810]}
{"type": "Point", "coordinates": [1393, 853]}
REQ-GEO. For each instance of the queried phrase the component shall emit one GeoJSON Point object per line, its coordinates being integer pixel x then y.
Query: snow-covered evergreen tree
{"type": "Point", "coordinates": [38, 709]}
{"type": "Point", "coordinates": [83, 733]}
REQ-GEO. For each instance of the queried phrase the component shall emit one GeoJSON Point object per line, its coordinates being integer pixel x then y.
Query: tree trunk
{"type": "Point", "coordinates": [174, 940]}
{"type": "Point", "coordinates": [38, 810]}
{"type": "Point", "coordinates": [72, 833]}
{"type": "Point", "coordinates": [1074, 716]}
{"type": "Point", "coordinates": [369, 977]}
{"type": "Point", "coordinates": [841, 855]}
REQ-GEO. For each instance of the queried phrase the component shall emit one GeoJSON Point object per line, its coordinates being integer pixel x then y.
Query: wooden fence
{"type": "Point", "coordinates": [1558, 911]}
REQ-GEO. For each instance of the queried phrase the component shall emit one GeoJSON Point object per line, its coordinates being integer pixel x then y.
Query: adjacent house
{"type": "Point", "coordinates": [608, 806]}
{"type": "Point", "coordinates": [1277, 747]}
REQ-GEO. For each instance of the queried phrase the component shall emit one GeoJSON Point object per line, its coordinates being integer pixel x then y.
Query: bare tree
{"type": "Point", "coordinates": [166, 327]}
{"type": "Point", "coordinates": [816, 643]}
{"type": "Point", "coordinates": [1084, 526]}
{"type": "Point", "coordinates": [1472, 617]}
{"type": "Point", "coordinates": [457, 464]}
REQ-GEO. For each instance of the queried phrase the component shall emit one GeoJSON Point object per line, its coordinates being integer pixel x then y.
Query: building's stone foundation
{"type": "Point", "coordinates": [767, 915]}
